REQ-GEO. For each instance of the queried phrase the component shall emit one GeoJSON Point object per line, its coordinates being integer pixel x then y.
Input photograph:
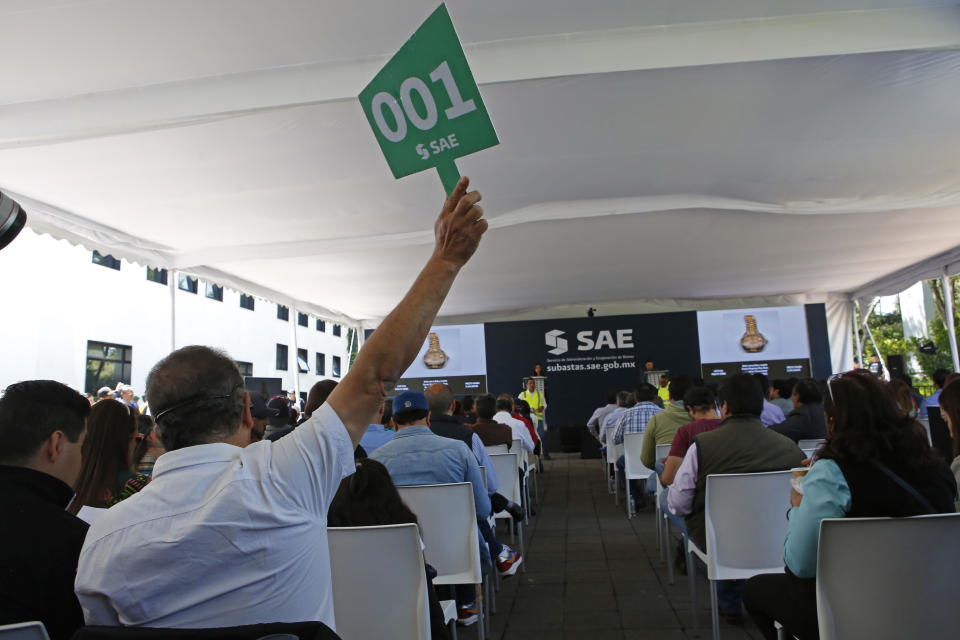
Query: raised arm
{"type": "Point", "coordinates": [395, 343]}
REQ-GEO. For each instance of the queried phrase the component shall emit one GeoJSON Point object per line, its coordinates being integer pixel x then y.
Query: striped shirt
{"type": "Point", "coordinates": [635, 419]}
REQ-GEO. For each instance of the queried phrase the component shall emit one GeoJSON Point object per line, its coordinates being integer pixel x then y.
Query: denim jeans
{"type": "Point", "coordinates": [676, 521]}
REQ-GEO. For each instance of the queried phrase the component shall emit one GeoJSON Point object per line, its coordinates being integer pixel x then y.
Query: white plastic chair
{"type": "Point", "coordinates": [663, 543]}
{"type": "Point", "coordinates": [24, 631]}
{"type": "Point", "coordinates": [506, 466]}
{"type": "Point", "coordinates": [633, 469]}
{"type": "Point", "coordinates": [523, 454]}
{"type": "Point", "coordinates": [497, 448]}
{"type": "Point", "coordinates": [448, 522]}
{"type": "Point", "coordinates": [392, 554]}
{"type": "Point", "coordinates": [614, 451]}
{"type": "Point", "coordinates": [745, 530]}
{"type": "Point", "coordinates": [888, 578]}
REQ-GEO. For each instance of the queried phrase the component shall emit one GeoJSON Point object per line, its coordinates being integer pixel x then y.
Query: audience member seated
{"type": "Point", "coordinates": [806, 421]}
{"type": "Point", "coordinates": [740, 444]}
{"type": "Point", "coordinates": [903, 398]}
{"type": "Point", "coordinates": [148, 448]}
{"type": "Point", "coordinates": [504, 415]}
{"type": "Point", "coordinates": [522, 413]}
{"type": "Point", "coordinates": [107, 475]}
{"type": "Point", "coordinates": [369, 498]}
{"type": "Point", "coordinates": [700, 404]}
{"type": "Point", "coordinates": [42, 427]}
{"type": "Point", "coordinates": [781, 394]}
{"type": "Point", "coordinates": [279, 424]}
{"type": "Point", "coordinates": [416, 455]}
{"type": "Point", "coordinates": [376, 435]}
{"type": "Point", "coordinates": [949, 403]}
{"type": "Point", "coordinates": [596, 419]}
{"type": "Point", "coordinates": [772, 414]}
{"type": "Point", "coordinates": [634, 420]}
{"type": "Point", "coordinates": [939, 381]}
{"type": "Point", "coordinates": [625, 400]}
{"type": "Point", "coordinates": [876, 463]}
{"type": "Point", "coordinates": [231, 532]}
{"type": "Point", "coordinates": [260, 413]}
{"type": "Point", "coordinates": [469, 410]}
{"type": "Point", "coordinates": [444, 424]}
{"type": "Point", "coordinates": [663, 426]}
{"type": "Point", "coordinates": [490, 431]}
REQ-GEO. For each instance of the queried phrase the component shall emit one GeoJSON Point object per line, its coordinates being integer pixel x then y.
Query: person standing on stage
{"type": "Point", "coordinates": [538, 406]}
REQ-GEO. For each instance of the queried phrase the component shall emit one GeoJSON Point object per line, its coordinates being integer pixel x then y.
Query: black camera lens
{"type": "Point", "coordinates": [12, 219]}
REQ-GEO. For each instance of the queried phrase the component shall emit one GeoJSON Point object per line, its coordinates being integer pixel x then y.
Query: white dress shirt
{"type": "Point", "coordinates": [684, 487]}
{"type": "Point", "coordinates": [222, 535]}
{"type": "Point", "coordinates": [519, 429]}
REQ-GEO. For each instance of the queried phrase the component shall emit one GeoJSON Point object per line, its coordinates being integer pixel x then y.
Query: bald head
{"type": "Point", "coordinates": [439, 399]}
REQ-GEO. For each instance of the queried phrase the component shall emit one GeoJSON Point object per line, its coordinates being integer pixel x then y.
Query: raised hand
{"type": "Point", "coordinates": [460, 226]}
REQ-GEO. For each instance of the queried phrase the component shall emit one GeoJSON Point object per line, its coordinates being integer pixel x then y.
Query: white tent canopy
{"type": "Point", "coordinates": [655, 153]}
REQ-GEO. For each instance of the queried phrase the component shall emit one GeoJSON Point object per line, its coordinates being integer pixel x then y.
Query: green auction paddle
{"type": "Point", "coordinates": [425, 107]}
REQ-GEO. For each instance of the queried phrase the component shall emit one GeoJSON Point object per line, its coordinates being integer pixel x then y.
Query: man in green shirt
{"type": "Point", "coordinates": [663, 426]}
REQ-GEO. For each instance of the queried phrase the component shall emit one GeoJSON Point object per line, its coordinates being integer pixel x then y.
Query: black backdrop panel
{"type": "Point", "coordinates": [819, 341]}
{"type": "Point", "coordinates": [583, 358]}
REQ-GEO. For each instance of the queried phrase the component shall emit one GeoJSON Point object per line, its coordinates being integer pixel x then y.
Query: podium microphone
{"type": "Point", "coordinates": [12, 219]}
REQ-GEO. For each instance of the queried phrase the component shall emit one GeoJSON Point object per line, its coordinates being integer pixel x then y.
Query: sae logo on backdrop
{"type": "Point", "coordinates": [591, 345]}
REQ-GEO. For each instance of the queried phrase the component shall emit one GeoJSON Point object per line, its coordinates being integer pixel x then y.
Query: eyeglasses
{"type": "Point", "coordinates": [194, 400]}
{"type": "Point", "coordinates": [829, 388]}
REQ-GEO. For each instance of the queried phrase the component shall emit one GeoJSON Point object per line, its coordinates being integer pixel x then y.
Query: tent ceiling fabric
{"type": "Point", "coordinates": [812, 174]}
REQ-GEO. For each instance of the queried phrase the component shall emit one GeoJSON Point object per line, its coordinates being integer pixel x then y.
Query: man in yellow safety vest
{"type": "Point", "coordinates": [538, 404]}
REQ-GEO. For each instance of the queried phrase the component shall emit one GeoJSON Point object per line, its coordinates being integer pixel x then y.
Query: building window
{"type": "Point", "coordinates": [107, 364]}
{"type": "Point", "coordinates": [157, 275]}
{"type": "Point", "coordinates": [321, 325]}
{"type": "Point", "coordinates": [215, 292]}
{"type": "Point", "coordinates": [186, 283]}
{"type": "Point", "coordinates": [336, 330]}
{"type": "Point", "coordinates": [321, 364]}
{"type": "Point", "coordinates": [246, 368]}
{"type": "Point", "coordinates": [283, 313]}
{"type": "Point", "coordinates": [303, 366]}
{"type": "Point", "coordinates": [106, 261]}
{"type": "Point", "coordinates": [282, 357]}
{"type": "Point", "coordinates": [335, 367]}
{"type": "Point", "coordinates": [246, 302]}
{"type": "Point", "coordinates": [303, 320]}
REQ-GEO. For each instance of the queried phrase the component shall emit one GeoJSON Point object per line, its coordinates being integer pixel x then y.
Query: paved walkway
{"type": "Point", "coordinates": [592, 574]}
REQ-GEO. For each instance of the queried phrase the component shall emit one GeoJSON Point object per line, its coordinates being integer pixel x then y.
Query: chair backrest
{"type": "Point", "coordinates": [382, 565]}
{"type": "Point", "coordinates": [814, 444]}
{"type": "Point", "coordinates": [888, 577]}
{"type": "Point", "coordinates": [24, 631]}
{"type": "Point", "coordinates": [497, 448]}
{"type": "Point", "coordinates": [632, 445]}
{"type": "Point", "coordinates": [614, 451]}
{"type": "Point", "coordinates": [517, 448]}
{"type": "Point", "coordinates": [448, 524]}
{"type": "Point", "coordinates": [745, 523]}
{"type": "Point", "coordinates": [507, 468]}
{"type": "Point", "coordinates": [808, 453]}
{"type": "Point", "coordinates": [483, 475]}
{"type": "Point", "coordinates": [662, 451]}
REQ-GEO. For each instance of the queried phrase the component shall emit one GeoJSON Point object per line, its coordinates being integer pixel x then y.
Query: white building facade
{"type": "Point", "coordinates": [88, 320]}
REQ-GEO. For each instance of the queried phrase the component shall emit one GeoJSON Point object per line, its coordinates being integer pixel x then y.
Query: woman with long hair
{"type": "Point", "coordinates": [106, 474]}
{"type": "Point", "coordinates": [876, 462]}
{"type": "Point", "coordinates": [148, 447]}
{"type": "Point", "coordinates": [950, 410]}
{"type": "Point", "coordinates": [369, 498]}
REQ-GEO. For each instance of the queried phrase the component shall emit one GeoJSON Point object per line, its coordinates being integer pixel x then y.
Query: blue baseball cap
{"type": "Point", "coordinates": [410, 400]}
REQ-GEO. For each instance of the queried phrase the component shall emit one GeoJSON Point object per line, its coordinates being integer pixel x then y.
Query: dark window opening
{"type": "Point", "coordinates": [303, 320]}
{"type": "Point", "coordinates": [188, 284]}
{"type": "Point", "coordinates": [283, 313]}
{"type": "Point", "coordinates": [321, 364]}
{"type": "Point", "coordinates": [246, 368]}
{"type": "Point", "coordinates": [321, 325]}
{"type": "Point", "coordinates": [282, 357]}
{"type": "Point", "coordinates": [214, 292]}
{"type": "Point", "coordinates": [336, 330]}
{"type": "Point", "coordinates": [157, 275]}
{"type": "Point", "coordinates": [335, 367]}
{"type": "Point", "coordinates": [106, 261]}
{"type": "Point", "coordinates": [107, 364]}
{"type": "Point", "coordinates": [246, 302]}
{"type": "Point", "coordinates": [302, 365]}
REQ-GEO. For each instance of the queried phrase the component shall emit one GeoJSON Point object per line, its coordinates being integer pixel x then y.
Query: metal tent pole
{"type": "Point", "coordinates": [856, 331]}
{"type": "Point", "coordinates": [949, 320]}
{"type": "Point", "coordinates": [294, 323]}
{"type": "Point", "coordinates": [173, 310]}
